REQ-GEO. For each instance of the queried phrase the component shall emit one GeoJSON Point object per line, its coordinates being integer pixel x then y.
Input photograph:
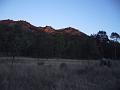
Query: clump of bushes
{"type": "Point", "coordinates": [82, 71]}
{"type": "Point", "coordinates": [40, 63]}
{"type": "Point", "coordinates": [105, 63]}
{"type": "Point", "coordinates": [63, 66]}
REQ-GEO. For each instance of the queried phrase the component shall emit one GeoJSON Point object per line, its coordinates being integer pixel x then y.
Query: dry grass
{"type": "Point", "coordinates": [61, 74]}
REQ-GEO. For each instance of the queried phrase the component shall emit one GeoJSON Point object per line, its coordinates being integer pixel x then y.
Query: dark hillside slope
{"type": "Point", "coordinates": [20, 38]}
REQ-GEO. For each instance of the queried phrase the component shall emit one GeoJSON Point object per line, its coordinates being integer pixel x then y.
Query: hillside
{"type": "Point", "coordinates": [20, 38]}
{"type": "Point", "coordinates": [47, 29]}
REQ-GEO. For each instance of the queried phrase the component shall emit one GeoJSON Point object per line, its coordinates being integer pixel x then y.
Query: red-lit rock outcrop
{"type": "Point", "coordinates": [47, 29]}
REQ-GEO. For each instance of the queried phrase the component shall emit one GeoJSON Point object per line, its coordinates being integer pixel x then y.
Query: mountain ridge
{"type": "Point", "coordinates": [47, 29]}
{"type": "Point", "coordinates": [21, 38]}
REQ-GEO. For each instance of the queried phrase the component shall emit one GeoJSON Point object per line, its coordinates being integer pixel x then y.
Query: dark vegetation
{"type": "Point", "coordinates": [20, 38]}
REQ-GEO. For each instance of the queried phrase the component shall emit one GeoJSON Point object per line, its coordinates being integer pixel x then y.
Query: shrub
{"type": "Point", "coordinates": [63, 66]}
{"type": "Point", "coordinates": [40, 63]}
{"type": "Point", "coordinates": [105, 63]}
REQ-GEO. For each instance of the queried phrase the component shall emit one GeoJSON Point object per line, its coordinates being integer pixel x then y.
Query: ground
{"type": "Point", "coordinates": [57, 74]}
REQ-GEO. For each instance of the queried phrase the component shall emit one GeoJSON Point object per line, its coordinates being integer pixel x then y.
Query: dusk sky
{"type": "Point", "coordinates": [89, 16]}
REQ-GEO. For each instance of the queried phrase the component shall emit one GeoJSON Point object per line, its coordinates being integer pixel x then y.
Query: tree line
{"type": "Point", "coordinates": [108, 48]}
{"type": "Point", "coordinates": [17, 41]}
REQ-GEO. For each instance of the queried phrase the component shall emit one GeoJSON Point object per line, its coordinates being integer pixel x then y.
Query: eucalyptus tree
{"type": "Point", "coordinates": [115, 36]}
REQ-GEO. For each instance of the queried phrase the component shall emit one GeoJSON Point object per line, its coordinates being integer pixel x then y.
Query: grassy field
{"type": "Point", "coordinates": [57, 74]}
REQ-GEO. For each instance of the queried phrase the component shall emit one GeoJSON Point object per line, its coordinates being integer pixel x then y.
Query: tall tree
{"type": "Point", "coordinates": [115, 36]}
{"type": "Point", "coordinates": [102, 36]}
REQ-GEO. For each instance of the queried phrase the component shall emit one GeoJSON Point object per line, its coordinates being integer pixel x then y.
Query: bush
{"type": "Point", "coordinates": [40, 63]}
{"type": "Point", "coordinates": [63, 66]}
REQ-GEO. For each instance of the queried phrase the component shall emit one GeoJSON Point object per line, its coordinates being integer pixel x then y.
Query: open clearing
{"type": "Point", "coordinates": [57, 74]}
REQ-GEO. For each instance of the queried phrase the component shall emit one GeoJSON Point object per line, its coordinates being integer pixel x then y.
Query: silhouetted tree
{"type": "Point", "coordinates": [115, 36]}
{"type": "Point", "coordinates": [102, 36]}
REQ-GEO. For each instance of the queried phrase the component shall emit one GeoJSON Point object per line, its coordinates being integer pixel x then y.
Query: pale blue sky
{"type": "Point", "coordinates": [89, 16]}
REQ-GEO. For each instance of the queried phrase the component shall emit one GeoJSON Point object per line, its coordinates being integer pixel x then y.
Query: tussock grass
{"type": "Point", "coordinates": [61, 75]}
